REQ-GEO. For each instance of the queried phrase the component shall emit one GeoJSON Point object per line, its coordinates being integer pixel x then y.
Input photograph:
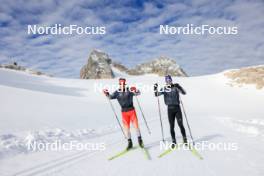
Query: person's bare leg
{"type": "Point", "coordinates": [126, 127]}
{"type": "Point", "coordinates": [136, 126]}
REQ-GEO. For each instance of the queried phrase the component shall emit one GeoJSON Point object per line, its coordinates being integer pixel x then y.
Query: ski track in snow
{"type": "Point", "coordinates": [58, 164]}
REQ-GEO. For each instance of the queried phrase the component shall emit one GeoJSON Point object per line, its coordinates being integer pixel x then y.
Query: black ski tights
{"type": "Point", "coordinates": [175, 112]}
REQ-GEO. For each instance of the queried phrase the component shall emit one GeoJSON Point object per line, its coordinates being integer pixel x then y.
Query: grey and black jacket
{"type": "Point", "coordinates": [124, 98]}
{"type": "Point", "coordinates": [171, 94]}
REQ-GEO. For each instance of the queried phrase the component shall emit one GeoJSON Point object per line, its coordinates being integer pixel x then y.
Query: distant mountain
{"type": "Point", "coordinates": [15, 66]}
{"type": "Point", "coordinates": [99, 66]}
{"type": "Point", "coordinates": [161, 66]}
{"type": "Point", "coordinates": [120, 67]}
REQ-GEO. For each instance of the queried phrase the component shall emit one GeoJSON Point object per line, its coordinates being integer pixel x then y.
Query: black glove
{"type": "Point", "coordinates": [155, 87]}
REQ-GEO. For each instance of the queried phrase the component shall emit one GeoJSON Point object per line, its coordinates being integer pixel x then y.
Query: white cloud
{"type": "Point", "coordinates": [133, 34]}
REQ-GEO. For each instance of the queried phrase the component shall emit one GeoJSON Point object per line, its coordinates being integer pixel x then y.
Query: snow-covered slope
{"type": "Point", "coordinates": [41, 108]}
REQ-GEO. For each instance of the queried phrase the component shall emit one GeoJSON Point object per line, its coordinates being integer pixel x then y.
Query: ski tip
{"type": "Point", "coordinates": [164, 153]}
{"type": "Point", "coordinates": [160, 156]}
{"type": "Point", "coordinates": [146, 152]}
{"type": "Point", "coordinates": [110, 159]}
{"type": "Point", "coordinates": [121, 153]}
{"type": "Point", "coordinates": [201, 158]}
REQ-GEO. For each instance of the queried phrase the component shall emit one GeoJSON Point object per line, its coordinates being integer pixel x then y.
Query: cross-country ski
{"type": "Point", "coordinates": [121, 153]}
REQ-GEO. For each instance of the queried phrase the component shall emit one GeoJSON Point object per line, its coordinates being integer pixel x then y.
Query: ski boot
{"type": "Point", "coordinates": [173, 144]}
{"type": "Point", "coordinates": [140, 142]}
{"type": "Point", "coordinates": [130, 144]}
{"type": "Point", "coordinates": [185, 141]}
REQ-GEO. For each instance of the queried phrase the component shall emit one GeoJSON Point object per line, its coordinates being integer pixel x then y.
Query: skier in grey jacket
{"type": "Point", "coordinates": [124, 96]}
{"type": "Point", "coordinates": [172, 100]}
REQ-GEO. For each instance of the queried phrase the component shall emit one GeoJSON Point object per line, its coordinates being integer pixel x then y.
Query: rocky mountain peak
{"type": "Point", "coordinates": [98, 55]}
{"type": "Point", "coordinates": [161, 66]}
{"type": "Point", "coordinates": [97, 67]}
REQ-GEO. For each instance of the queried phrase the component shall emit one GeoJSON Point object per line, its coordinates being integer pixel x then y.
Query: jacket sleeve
{"type": "Point", "coordinates": [113, 95]}
{"type": "Point", "coordinates": [180, 89]}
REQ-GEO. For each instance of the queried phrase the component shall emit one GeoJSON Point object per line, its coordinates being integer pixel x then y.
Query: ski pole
{"type": "Point", "coordinates": [143, 115]}
{"type": "Point", "coordinates": [116, 117]}
{"type": "Point", "coordinates": [184, 112]}
{"type": "Point", "coordinates": [160, 120]}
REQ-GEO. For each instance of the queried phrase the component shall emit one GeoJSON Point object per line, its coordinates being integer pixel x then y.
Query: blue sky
{"type": "Point", "coordinates": [132, 33]}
